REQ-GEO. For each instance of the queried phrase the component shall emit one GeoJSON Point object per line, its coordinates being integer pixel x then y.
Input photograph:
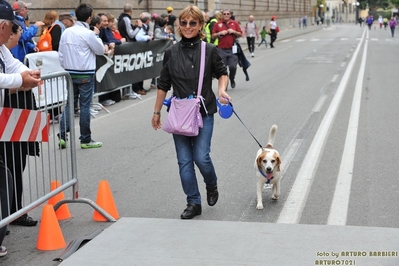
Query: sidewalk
{"type": "Point", "coordinates": [145, 241]}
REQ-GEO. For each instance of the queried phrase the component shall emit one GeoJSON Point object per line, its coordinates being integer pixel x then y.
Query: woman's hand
{"type": "Point", "coordinates": [156, 121]}
{"type": "Point", "coordinates": [224, 98]}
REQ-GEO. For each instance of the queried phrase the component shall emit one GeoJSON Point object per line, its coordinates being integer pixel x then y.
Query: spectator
{"type": "Point", "coordinates": [13, 74]}
{"type": "Point", "coordinates": [115, 32]}
{"type": "Point", "coordinates": [159, 29]}
{"type": "Point", "coordinates": [66, 19]}
{"type": "Point", "coordinates": [77, 54]}
{"type": "Point", "coordinates": [15, 153]}
{"type": "Point", "coordinates": [108, 38]}
{"type": "Point", "coordinates": [180, 73]}
{"type": "Point", "coordinates": [209, 27]}
{"type": "Point", "coordinates": [227, 31]}
{"type": "Point", "coordinates": [125, 27]}
{"type": "Point", "coordinates": [169, 31]}
{"type": "Point", "coordinates": [25, 44]}
{"type": "Point", "coordinates": [171, 17]}
{"type": "Point", "coordinates": [129, 32]}
{"type": "Point", "coordinates": [112, 27]}
{"type": "Point", "coordinates": [251, 31]}
{"type": "Point", "coordinates": [95, 24]}
{"type": "Point", "coordinates": [159, 34]}
{"type": "Point", "coordinates": [50, 20]}
{"type": "Point", "coordinates": [142, 36]}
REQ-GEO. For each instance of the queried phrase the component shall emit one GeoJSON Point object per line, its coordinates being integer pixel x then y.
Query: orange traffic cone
{"type": "Point", "coordinates": [50, 235]}
{"type": "Point", "coordinates": [62, 212]}
{"type": "Point", "coordinates": [105, 201]}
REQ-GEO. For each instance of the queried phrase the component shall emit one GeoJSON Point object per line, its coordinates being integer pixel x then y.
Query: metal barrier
{"type": "Point", "coordinates": [53, 163]}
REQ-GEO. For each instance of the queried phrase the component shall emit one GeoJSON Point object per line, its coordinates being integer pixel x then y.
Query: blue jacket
{"type": "Point", "coordinates": [25, 44]}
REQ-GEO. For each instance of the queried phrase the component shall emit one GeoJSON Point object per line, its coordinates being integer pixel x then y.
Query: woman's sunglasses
{"type": "Point", "coordinates": [184, 23]}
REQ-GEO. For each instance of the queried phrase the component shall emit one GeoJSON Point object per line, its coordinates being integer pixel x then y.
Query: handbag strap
{"type": "Point", "coordinates": [201, 76]}
{"type": "Point", "coordinates": [202, 68]}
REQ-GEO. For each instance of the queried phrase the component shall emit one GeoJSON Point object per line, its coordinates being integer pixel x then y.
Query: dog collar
{"type": "Point", "coordinates": [264, 175]}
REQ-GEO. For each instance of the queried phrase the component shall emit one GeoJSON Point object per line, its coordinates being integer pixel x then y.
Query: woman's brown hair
{"type": "Point", "coordinates": [195, 13]}
{"type": "Point", "coordinates": [48, 20]}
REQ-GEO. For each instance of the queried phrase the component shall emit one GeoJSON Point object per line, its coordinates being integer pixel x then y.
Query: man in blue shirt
{"type": "Point", "coordinates": [25, 43]}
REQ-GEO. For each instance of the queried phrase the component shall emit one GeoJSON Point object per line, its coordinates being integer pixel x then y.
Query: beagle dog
{"type": "Point", "coordinates": [268, 168]}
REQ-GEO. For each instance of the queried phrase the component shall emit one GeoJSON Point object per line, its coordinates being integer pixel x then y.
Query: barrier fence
{"type": "Point", "coordinates": [29, 147]}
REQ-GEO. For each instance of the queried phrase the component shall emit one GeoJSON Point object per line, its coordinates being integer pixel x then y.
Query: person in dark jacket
{"type": "Point", "coordinates": [125, 27]}
{"type": "Point", "coordinates": [129, 32]}
{"type": "Point", "coordinates": [181, 67]}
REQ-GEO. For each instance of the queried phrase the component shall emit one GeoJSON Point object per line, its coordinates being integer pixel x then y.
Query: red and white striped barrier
{"type": "Point", "coordinates": [23, 125]}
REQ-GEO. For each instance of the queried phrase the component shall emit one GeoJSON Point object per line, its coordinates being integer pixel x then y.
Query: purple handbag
{"type": "Point", "coordinates": [184, 117]}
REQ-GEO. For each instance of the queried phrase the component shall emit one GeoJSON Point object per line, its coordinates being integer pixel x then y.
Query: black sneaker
{"type": "Point", "coordinates": [232, 83]}
{"type": "Point", "coordinates": [24, 220]}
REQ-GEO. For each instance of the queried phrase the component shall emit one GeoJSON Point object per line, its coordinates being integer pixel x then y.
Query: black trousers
{"type": "Point", "coordinates": [14, 154]}
{"type": "Point", "coordinates": [273, 37]}
{"type": "Point", "coordinates": [6, 195]}
{"type": "Point", "coordinates": [251, 44]}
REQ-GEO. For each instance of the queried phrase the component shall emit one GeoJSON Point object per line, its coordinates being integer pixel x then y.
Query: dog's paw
{"type": "Point", "coordinates": [275, 197]}
{"type": "Point", "coordinates": [259, 206]}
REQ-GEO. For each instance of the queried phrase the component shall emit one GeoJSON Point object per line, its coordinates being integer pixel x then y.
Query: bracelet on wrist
{"type": "Point", "coordinates": [157, 113]}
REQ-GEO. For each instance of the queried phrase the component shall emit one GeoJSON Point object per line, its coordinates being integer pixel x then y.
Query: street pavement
{"type": "Point", "coordinates": [164, 239]}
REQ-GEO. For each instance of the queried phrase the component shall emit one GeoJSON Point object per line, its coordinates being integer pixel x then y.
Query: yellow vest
{"type": "Point", "coordinates": [209, 33]}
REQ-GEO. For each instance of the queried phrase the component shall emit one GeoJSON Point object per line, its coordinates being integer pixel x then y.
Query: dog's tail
{"type": "Point", "coordinates": [272, 134]}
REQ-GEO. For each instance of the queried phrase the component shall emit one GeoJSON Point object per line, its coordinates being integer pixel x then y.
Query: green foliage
{"type": "Point", "coordinates": [384, 4]}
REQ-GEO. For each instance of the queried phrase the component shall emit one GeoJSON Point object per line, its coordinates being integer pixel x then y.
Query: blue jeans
{"type": "Point", "coordinates": [85, 88]}
{"type": "Point", "coordinates": [196, 150]}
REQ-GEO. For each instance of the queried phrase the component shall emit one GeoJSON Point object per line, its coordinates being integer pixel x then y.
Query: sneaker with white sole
{"type": "Point", "coordinates": [92, 144]}
{"type": "Point", "coordinates": [3, 251]}
{"type": "Point", "coordinates": [108, 102]}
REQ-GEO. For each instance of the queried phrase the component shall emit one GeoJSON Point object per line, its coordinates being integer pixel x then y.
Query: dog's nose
{"type": "Point", "coordinates": [269, 169]}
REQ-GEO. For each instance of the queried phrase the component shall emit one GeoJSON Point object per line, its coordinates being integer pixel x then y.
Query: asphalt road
{"type": "Point", "coordinates": [333, 94]}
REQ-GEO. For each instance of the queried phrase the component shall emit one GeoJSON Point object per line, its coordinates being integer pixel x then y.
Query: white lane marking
{"type": "Point", "coordinates": [314, 40]}
{"type": "Point", "coordinates": [334, 78]}
{"type": "Point", "coordinates": [293, 207]}
{"type": "Point", "coordinates": [319, 103]}
{"type": "Point", "coordinates": [289, 154]}
{"type": "Point", "coordinates": [339, 207]}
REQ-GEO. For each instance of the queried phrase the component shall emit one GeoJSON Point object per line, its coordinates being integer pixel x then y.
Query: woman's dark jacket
{"type": "Point", "coordinates": [178, 72]}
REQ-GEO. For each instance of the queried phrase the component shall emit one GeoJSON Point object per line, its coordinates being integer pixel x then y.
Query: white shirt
{"type": "Point", "coordinates": [78, 49]}
{"type": "Point", "coordinates": [273, 24]}
{"type": "Point", "coordinates": [10, 76]}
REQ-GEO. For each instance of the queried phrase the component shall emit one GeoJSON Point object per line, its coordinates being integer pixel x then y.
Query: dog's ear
{"type": "Point", "coordinates": [260, 159]}
{"type": "Point", "coordinates": [278, 162]}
